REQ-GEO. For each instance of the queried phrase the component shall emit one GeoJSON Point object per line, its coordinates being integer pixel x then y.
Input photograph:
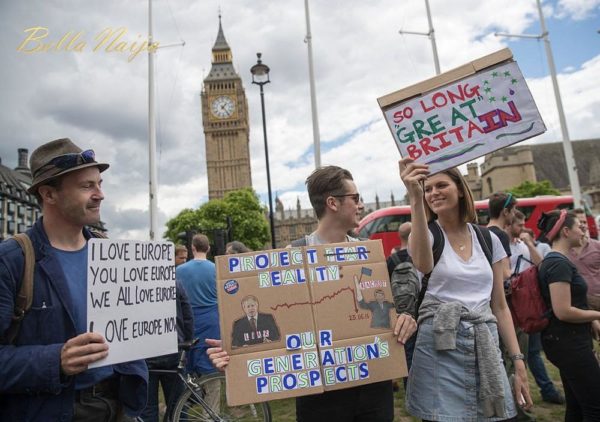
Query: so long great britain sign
{"type": "Point", "coordinates": [463, 114]}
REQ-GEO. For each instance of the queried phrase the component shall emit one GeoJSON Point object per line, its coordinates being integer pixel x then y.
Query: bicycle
{"type": "Point", "coordinates": [203, 398]}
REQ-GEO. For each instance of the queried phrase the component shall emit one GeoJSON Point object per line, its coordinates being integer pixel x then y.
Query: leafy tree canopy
{"type": "Point", "coordinates": [248, 218]}
{"type": "Point", "coordinates": [529, 189]}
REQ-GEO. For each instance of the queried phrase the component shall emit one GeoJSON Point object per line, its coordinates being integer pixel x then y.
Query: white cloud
{"type": "Point", "coordinates": [100, 99]}
{"type": "Point", "coordinates": [577, 9]}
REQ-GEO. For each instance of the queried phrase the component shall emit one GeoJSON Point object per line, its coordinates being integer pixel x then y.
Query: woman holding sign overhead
{"type": "Point", "coordinates": [457, 373]}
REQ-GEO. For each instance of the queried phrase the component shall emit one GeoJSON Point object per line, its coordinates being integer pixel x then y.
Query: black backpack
{"type": "Point", "coordinates": [483, 237]}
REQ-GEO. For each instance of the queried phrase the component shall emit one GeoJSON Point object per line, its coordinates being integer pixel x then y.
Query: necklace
{"type": "Point", "coordinates": [463, 246]}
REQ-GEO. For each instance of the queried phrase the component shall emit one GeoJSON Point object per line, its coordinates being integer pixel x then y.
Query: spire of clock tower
{"type": "Point", "coordinates": [225, 121]}
{"type": "Point", "coordinates": [221, 51]}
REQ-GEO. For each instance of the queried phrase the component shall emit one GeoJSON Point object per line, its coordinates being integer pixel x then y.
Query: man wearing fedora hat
{"type": "Point", "coordinates": [44, 371]}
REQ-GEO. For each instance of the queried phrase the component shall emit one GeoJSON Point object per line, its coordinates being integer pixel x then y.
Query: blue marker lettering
{"type": "Point", "coordinates": [261, 383]}
{"type": "Point", "coordinates": [262, 261]}
{"type": "Point", "coordinates": [338, 373]}
{"type": "Point", "coordinates": [364, 370]}
{"type": "Point", "coordinates": [325, 338]}
{"type": "Point", "coordinates": [234, 264]}
{"type": "Point", "coordinates": [268, 365]}
{"type": "Point", "coordinates": [289, 381]}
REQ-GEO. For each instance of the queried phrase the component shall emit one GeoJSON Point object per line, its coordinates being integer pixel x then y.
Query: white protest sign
{"type": "Point", "coordinates": [131, 298]}
{"type": "Point", "coordinates": [461, 121]}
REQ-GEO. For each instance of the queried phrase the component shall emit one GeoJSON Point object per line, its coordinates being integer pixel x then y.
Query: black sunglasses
{"type": "Point", "coordinates": [355, 197]}
{"type": "Point", "coordinates": [71, 160]}
{"type": "Point", "coordinates": [67, 161]}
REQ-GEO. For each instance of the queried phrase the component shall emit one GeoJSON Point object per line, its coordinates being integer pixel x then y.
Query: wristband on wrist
{"type": "Point", "coordinates": [517, 356]}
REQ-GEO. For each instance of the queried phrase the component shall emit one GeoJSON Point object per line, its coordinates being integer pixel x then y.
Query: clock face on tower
{"type": "Point", "coordinates": [222, 107]}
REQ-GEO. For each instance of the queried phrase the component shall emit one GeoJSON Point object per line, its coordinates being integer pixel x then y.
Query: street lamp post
{"type": "Point", "coordinates": [260, 77]}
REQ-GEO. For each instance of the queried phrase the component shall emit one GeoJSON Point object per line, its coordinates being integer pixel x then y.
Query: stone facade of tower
{"type": "Point", "coordinates": [225, 121]}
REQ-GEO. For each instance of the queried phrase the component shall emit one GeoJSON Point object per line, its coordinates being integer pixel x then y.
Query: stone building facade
{"type": "Point", "coordinates": [18, 209]}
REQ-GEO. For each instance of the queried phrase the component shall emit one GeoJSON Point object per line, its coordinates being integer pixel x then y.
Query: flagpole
{"type": "Point", "coordinates": [153, 206]}
{"type": "Point", "coordinates": [313, 94]}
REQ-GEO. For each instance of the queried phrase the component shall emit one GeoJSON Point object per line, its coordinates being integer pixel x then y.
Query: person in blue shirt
{"type": "Point", "coordinates": [44, 371]}
{"type": "Point", "coordinates": [198, 278]}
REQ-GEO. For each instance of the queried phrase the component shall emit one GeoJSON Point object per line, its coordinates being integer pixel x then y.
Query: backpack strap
{"type": "Point", "coordinates": [437, 249]}
{"type": "Point", "coordinates": [299, 242]}
{"type": "Point", "coordinates": [484, 238]}
{"type": "Point", "coordinates": [25, 296]}
{"type": "Point", "coordinates": [395, 259]}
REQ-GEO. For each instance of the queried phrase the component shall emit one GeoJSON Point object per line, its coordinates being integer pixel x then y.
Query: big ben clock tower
{"type": "Point", "coordinates": [225, 121]}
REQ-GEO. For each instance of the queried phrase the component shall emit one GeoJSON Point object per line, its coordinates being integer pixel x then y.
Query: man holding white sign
{"type": "Point", "coordinates": [44, 362]}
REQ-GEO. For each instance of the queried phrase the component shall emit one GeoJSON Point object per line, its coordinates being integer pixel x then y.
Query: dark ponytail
{"type": "Point", "coordinates": [547, 224]}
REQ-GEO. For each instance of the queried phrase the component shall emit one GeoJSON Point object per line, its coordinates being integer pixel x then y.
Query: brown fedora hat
{"type": "Point", "coordinates": [59, 157]}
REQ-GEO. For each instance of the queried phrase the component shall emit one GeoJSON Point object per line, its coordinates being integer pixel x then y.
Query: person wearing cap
{"type": "Point", "coordinates": [44, 371]}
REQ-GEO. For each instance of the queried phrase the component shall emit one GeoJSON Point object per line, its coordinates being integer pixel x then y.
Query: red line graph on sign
{"type": "Point", "coordinates": [331, 296]}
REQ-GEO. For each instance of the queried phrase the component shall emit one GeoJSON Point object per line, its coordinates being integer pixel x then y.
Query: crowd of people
{"type": "Point", "coordinates": [466, 358]}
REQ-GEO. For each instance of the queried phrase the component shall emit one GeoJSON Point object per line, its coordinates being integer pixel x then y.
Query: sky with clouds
{"type": "Point", "coordinates": [98, 98]}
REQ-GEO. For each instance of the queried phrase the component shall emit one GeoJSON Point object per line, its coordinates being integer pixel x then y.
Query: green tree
{"type": "Point", "coordinates": [248, 218]}
{"type": "Point", "coordinates": [529, 189]}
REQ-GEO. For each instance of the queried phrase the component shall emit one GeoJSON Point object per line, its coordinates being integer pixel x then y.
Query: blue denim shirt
{"type": "Point", "coordinates": [31, 387]}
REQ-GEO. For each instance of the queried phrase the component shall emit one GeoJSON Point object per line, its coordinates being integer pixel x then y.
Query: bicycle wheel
{"type": "Point", "coordinates": [211, 388]}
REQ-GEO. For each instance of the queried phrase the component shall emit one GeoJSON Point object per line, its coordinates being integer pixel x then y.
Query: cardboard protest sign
{"type": "Point", "coordinates": [464, 113]}
{"type": "Point", "coordinates": [305, 320]}
{"type": "Point", "coordinates": [131, 298]}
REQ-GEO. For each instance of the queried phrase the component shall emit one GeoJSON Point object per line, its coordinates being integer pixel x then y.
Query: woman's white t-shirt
{"type": "Point", "coordinates": [469, 282]}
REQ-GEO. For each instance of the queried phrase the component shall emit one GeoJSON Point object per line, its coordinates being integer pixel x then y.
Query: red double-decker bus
{"type": "Point", "coordinates": [383, 224]}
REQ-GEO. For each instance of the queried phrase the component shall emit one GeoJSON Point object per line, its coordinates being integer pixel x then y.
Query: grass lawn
{"type": "Point", "coordinates": [284, 410]}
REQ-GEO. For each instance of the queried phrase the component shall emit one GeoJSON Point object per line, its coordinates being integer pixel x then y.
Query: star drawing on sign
{"type": "Point", "coordinates": [504, 98]}
{"type": "Point", "coordinates": [486, 82]}
{"type": "Point", "coordinates": [507, 73]}
{"type": "Point", "coordinates": [492, 99]}
{"type": "Point", "coordinates": [513, 81]}
{"type": "Point", "coordinates": [494, 74]}
{"type": "Point", "coordinates": [487, 89]}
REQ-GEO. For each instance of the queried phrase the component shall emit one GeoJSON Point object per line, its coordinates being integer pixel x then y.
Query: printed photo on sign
{"type": "Point", "coordinates": [254, 327]}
